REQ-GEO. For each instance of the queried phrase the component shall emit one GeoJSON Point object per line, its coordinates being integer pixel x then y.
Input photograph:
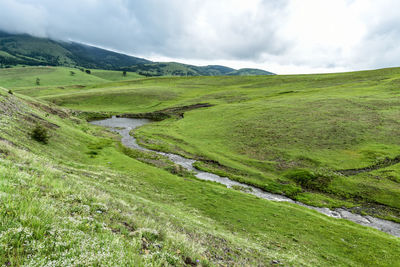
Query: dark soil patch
{"type": "Point", "coordinates": [165, 113]}
{"type": "Point", "coordinates": [51, 110]}
{"type": "Point", "coordinates": [33, 118]}
{"type": "Point", "coordinates": [91, 115]}
{"type": "Point", "coordinates": [190, 262]}
{"type": "Point", "coordinates": [383, 164]}
{"type": "Point", "coordinates": [78, 86]}
{"type": "Point", "coordinates": [129, 227]}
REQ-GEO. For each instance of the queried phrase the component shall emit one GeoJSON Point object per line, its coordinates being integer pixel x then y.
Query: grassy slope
{"type": "Point", "coordinates": [33, 51]}
{"type": "Point", "coordinates": [115, 75]}
{"type": "Point", "coordinates": [274, 124]}
{"type": "Point", "coordinates": [49, 76]}
{"type": "Point", "coordinates": [56, 78]}
{"type": "Point", "coordinates": [79, 200]}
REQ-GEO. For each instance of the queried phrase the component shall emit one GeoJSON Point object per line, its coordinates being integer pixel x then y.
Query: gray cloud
{"type": "Point", "coordinates": [379, 48]}
{"type": "Point", "coordinates": [22, 17]}
{"type": "Point", "coordinates": [199, 29]}
{"type": "Point", "coordinates": [290, 35]}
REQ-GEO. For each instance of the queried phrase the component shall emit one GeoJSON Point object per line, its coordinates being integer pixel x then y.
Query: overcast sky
{"type": "Point", "coordinates": [282, 36]}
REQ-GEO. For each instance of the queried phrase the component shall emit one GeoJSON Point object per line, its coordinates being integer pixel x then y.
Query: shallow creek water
{"type": "Point", "coordinates": [124, 126]}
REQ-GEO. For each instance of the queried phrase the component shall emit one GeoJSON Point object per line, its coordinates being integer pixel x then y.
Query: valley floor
{"type": "Point", "coordinates": [83, 199]}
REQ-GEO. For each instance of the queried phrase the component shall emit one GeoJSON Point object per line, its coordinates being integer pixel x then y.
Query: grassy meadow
{"type": "Point", "coordinates": [82, 199]}
{"type": "Point", "coordinates": [25, 77]}
{"type": "Point", "coordinates": [264, 130]}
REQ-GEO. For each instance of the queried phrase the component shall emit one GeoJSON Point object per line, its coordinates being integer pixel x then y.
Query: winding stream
{"type": "Point", "coordinates": [124, 126]}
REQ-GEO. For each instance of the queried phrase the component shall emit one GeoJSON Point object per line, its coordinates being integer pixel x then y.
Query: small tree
{"type": "Point", "coordinates": [37, 81]}
{"type": "Point", "coordinates": [88, 72]}
{"type": "Point", "coordinates": [40, 134]}
{"type": "Point", "coordinates": [10, 92]}
{"type": "Point", "coordinates": [124, 73]}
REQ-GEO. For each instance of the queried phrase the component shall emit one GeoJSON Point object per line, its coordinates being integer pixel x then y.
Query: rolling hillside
{"type": "Point", "coordinates": [83, 199]}
{"type": "Point", "coordinates": [277, 127]}
{"type": "Point", "coordinates": [178, 69]}
{"type": "Point", "coordinates": [27, 50]}
{"type": "Point", "coordinates": [23, 49]}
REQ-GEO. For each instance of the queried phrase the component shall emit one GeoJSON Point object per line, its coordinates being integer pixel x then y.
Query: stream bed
{"type": "Point", "coordinates": [124, 126]}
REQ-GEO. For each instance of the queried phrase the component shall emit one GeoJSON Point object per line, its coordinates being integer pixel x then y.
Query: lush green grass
{"type": "Point", "coordinates": [57, 79]}
{"type": "Point", "coordinates": [80, 201]}
{"type": "Point", "coordinates": [262, 127]}
{"type": "Point", "coordinates": [110, 75]}
{"type": "Point", "coordinates": [321, 123]}
{"type": "Point", "coordinates": [22, 77]}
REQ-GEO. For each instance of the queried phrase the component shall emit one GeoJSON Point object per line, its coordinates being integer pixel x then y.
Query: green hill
{"type": "Point", "coordinates": [59, 77]}
{"type": "Point", "coordinates": [275, 126]}
{"type": "Point", "coordinates": [83, 199]}
{"type": "Point", "coordinates": [178, 69]}
{"type": "Point", "coordinates": [23, 49]}
{"type": "Point", "coordinates": [249, 72]}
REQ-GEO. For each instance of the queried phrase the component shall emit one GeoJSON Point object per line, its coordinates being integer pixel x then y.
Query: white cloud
{"type": "Point", "coordinates": [23, 17]}
{"type": "Point", "coordinates": [322, 33]}
{"type": "Point", "coordinates": [283, 36]}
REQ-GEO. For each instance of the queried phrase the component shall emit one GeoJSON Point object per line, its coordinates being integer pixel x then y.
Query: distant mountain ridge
{"type": "Point", "coordinates": [23, 49]}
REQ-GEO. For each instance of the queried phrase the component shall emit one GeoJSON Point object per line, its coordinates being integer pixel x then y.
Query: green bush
{"type": "Point", "coordinates": [40, 134]}
{"type": "Point", "coordinates": [302, 177]}
{"type": "Point", "coordinates": [309, 180]}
